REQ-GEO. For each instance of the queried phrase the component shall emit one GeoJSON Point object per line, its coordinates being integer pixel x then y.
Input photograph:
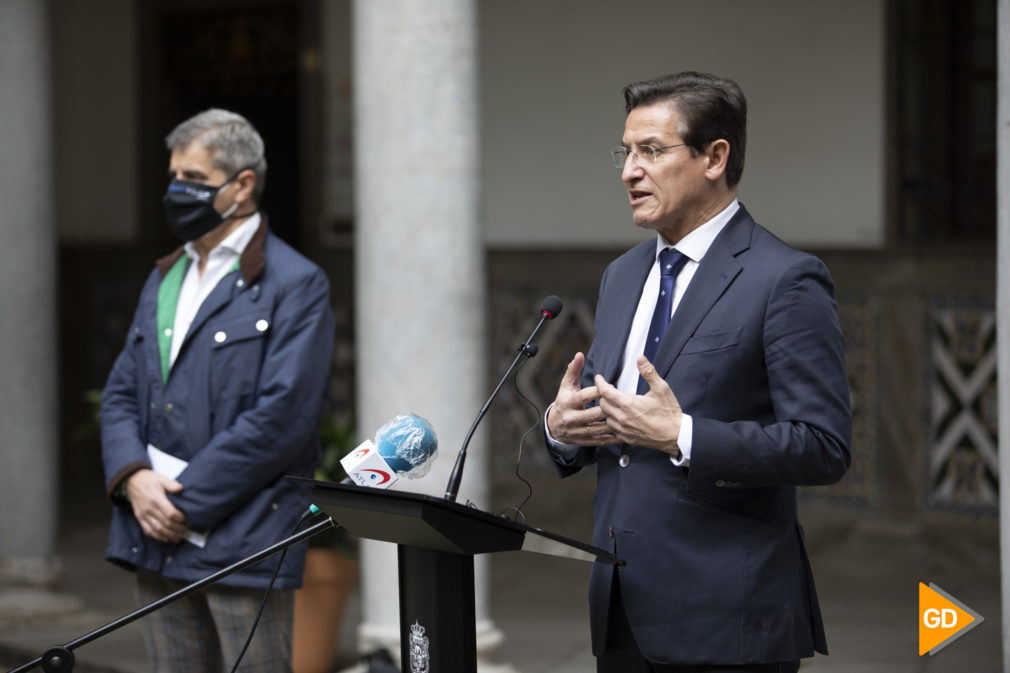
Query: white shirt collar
{"type": "Point", "coordinates": [234, 243]}
{"type": "Point", "coordinates": [696, 244]}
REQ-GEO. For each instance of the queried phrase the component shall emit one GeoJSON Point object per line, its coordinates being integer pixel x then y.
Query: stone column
{"type": "Point", "coordinates": [1003, 301]}
{"type": "Point", "coordinates": [419, 258]}
{"type": "Point", "coordinates": [29, 479]}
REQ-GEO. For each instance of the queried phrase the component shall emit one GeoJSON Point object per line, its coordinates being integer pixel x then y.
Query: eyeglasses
{"type": "Point", "coordinates": [621, 154]}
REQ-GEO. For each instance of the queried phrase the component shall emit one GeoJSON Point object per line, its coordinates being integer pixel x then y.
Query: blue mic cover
{"type": "Point", "coordinates": [408, 445]}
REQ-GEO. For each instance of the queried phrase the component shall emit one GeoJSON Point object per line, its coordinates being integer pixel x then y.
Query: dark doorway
{"type": "Point", "coordinates": [241, 58]}
{"type": "Point", "coordinates": [943, 95]}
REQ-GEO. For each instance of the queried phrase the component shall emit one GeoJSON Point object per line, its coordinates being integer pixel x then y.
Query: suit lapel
{"type": "Point", "coordinates": [628, 288]}
{"type": "Point", "coordinates": [714, 275]}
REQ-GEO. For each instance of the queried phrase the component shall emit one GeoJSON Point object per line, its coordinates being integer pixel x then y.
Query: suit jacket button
{"type": "Point", "coordinates": [624, 460]}
{"type": "Point", "coordinates": [719, 483]}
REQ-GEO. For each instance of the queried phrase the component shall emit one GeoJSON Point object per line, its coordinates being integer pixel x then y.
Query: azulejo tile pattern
{"type": "Point", "coordinates": [962, 463]}
{"type": "Point", "coordinates": [559, 339]}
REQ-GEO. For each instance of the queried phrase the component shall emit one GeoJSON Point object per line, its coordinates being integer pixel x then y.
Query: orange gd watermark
{"type": "Point", "coordinates": [942, 619]}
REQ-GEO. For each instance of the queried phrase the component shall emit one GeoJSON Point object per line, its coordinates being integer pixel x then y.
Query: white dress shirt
{"type": "Point", "coordinates": [195, 288]}
{"type": "Point", "coordinates": [694, 246]}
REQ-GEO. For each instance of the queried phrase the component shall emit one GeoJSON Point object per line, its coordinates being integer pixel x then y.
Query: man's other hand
{"type": "Point", "coordinates": [569, 420]}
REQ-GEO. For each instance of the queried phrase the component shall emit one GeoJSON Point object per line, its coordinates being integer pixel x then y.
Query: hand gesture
{"type": "Point", "coordinates": [569, 421]}
{"type": "Point", "coordinates": [651, 420]}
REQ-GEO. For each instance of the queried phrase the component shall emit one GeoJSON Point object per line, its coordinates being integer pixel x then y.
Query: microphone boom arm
{"type": "Point", "coordinates": [61, 657]}
{"type": "Point", "coordinates": [526, 350]}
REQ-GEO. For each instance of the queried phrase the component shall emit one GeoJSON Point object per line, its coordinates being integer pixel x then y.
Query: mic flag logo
{"type": "Point", "coordinates": [380, 475]}
{"type": "Point", "coordinates": [942, 619]}
{"type": "Point", "coordinates": [365, 467]}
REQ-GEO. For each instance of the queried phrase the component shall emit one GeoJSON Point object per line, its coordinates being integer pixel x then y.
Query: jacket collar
{"type": "Point", "coordinates": [717, 270]}
{"type": "Point", "coordinates": [250, 263]}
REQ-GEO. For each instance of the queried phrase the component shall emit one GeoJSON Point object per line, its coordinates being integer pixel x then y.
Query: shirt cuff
{"type": "Point", "coordinates": [684, 441]}
{"type": "Point", "coordinates": [566, 453]}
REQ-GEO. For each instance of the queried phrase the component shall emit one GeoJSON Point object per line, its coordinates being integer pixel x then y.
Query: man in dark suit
{"type": "Point", "coordinates": [702, 424]}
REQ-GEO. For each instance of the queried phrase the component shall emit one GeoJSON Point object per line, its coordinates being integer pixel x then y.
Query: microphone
{"type": "Point", "coordinates": [550, 308]}
{"type": "Point", "coordinates": [404, 445]}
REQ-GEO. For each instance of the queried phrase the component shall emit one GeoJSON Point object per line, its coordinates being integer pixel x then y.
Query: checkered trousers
{"type": "Point", "coordinates": [205, 630]}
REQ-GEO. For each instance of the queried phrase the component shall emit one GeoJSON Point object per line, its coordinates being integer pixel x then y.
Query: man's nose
{"type": "Point", "coordinates": [632, 169]}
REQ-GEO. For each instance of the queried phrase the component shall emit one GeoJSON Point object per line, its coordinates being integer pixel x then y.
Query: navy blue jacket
{"type": "Point", "coordinates": [242, 404]}
{"type": "Point", "coordinates": [716, 568]}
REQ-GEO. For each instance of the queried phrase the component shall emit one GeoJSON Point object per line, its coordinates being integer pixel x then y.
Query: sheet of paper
{"type": "Point", "coordinates": [170, 466]}
{"type": "Point", "coordinates": [165, 463]}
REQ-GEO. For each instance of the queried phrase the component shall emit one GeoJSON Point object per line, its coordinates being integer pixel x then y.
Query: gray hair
{"type": "Point", "coordinates": [233, 143]}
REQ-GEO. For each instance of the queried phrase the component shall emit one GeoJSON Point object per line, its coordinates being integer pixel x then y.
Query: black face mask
{"type": "Point", "coordinates": [189, 208]}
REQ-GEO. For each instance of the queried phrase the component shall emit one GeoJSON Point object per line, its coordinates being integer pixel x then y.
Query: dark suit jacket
{"type": "Point", "coordinates": [716, 569]}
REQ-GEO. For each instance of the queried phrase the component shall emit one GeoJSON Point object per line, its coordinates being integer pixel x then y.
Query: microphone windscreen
{"type": "Point", "coordinates": [407, 443]}
{"type": "Point", "coordinates": [551, 307]}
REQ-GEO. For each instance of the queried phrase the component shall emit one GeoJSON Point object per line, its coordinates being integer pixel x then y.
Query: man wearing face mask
{"type": "Point", "coordinates": [216, 396]}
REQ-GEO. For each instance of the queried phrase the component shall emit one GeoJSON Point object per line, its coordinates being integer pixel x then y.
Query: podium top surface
{"type": "Point", "coordinates": [420, 520]}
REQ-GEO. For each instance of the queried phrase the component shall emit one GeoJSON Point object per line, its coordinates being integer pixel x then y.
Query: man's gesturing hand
{"type": "Point", "coordinates": [158, 517]}
{"type": "Point", "coordinates": [569, 421]}
{"type": "Point", "coordinates": [651, 420]}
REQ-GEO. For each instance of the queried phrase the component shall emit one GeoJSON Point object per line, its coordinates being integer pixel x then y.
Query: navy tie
{"type": "Point", "coordinates": [671, 261]}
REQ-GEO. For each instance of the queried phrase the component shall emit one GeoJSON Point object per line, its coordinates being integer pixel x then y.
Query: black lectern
{"type": "Point", "coordinates": [436, 540]}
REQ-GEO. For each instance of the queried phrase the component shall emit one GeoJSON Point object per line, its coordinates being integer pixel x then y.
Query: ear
{"type": "Point", "coordinates": [717, 156]}
{"type": "Point", "coordinates": [246, 181]}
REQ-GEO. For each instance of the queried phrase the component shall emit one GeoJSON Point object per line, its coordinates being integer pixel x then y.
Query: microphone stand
{"type": "Point", "coordinates": [60, 658]}
{"type": "Point", "coordinates": [526, 351]}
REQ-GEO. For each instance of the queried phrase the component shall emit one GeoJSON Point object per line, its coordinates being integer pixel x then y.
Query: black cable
{"type": "Point", "coordinates": [529, 487]}
{"type": "Point", "coordinates": [266, 596]}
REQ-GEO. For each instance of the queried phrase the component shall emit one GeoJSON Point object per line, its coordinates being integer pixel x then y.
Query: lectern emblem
{"type": "Point", "coordinates": [418, 649]}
